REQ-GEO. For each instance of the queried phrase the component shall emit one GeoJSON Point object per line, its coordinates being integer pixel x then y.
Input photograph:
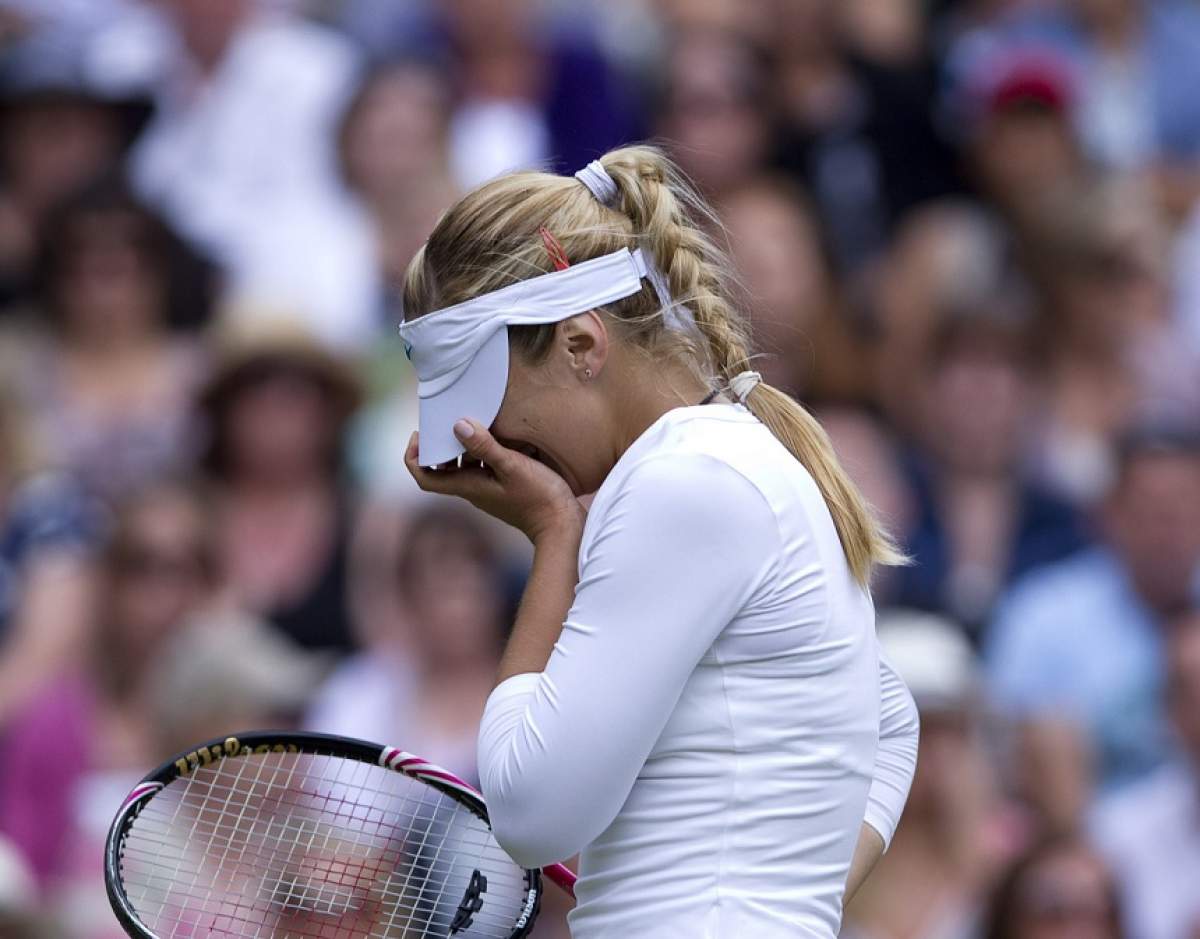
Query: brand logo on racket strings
{"type": "Point", "coordinates": [230, 747]}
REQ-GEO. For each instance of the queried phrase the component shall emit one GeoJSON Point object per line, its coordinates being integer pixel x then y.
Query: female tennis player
{"type": "Point", "coordinates": [692, 696]}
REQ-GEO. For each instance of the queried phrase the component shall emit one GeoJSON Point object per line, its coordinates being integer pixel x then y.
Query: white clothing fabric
{"type": "Point", "coordinates": [244, 162]}
{"type": "Point", "coordinates": [706, 728]}
{"type": "Point", "coordinates": [1150, 835]}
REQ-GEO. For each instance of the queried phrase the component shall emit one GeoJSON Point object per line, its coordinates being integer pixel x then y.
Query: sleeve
{"type": "Point", "coordinates": [896, 755]}
{"type": "Point", "coordinates": [674, 557]}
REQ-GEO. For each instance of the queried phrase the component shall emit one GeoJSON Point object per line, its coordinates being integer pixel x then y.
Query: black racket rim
{"type": "Point", "coordinates": [243, 744]}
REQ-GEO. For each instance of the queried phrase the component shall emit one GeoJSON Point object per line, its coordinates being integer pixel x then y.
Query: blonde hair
{"type": "Point", "coordinates": [491, 238]}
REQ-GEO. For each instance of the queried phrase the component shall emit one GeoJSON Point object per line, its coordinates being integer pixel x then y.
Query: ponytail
{"type": "Point", "coordinates": [863, 539]}
{"type": "Point", "coordinates": [669, 217]}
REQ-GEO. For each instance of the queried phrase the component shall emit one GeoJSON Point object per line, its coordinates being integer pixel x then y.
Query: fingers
{"type": "Point", "coordinates": [471, 481]}
{"type": "Point", "coordinates": [481, 445]}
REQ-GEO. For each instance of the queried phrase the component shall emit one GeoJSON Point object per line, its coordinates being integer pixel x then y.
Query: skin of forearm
{"type": "Point", "coordinates": [546, 602]}
{"type": "Point", "coordinates": [867, 853]}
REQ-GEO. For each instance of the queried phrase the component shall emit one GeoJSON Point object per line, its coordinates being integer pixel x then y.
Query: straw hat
{"type": "Point", "coordinates": [247, 350]}
{"type": "Point", "coordinates": [243, 345]}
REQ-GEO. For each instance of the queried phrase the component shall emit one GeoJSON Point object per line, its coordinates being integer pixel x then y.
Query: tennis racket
{"type": "Point", "coordinates": [315, 837]}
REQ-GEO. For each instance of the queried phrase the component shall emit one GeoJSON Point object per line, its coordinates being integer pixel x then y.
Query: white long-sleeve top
{"type": "Point", "coordinates": [714, 724]}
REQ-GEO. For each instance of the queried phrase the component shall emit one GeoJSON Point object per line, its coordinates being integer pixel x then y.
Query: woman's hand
{"type": "Point", "coordinates": [502, 482]}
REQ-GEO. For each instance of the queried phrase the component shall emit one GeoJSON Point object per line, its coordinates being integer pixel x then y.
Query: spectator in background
{"type": "Point", "coordinates": [106, 382]}
{"type": "Point", "coordinates": [60, 129]}
{"type": "Point", "coordinates": [277, 409]}
{"type": "Point", "coordinates": [520, 74]}
{"type": "Point", "coordinates": [717, 110]}
{"type": "Point", "coordinates": [157, 569]}
{"type": "Point", "coordinates": [1150, 833]}
{"type": "Point", "coordinates": [799, 322]}
{"type": "Point", "coordinates": [242, 157]}
{"type": "Point", "coordinates": [1075, 654]}
{"type": "Point", "coordinates": [1100, 261]}
{"type": "Point", "coordinates": [424, 685]}
{"type": "Point", "coordinates": [933, 881]}
{"type": "Point", "coordinates": [395, 157]}
{"type": "Point", "coordinates": [1014, 109]}
{"type": "Point", "coordinates": [1133, 62]}
{"type": "Point", "coordinates": [1060, 889]}
{"type": "Point", "coordinates": [48, 530]}
{"type": "Point", "coordinates": [981, 522]}
{"type": "Point", "coordinates": [855, 81]}
{"type": "Point", "coordinates": [519, 70]}
{"type": "Point", "coordinates": [947, 255]}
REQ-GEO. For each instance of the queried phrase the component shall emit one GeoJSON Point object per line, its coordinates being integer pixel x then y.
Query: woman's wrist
{"type": "Point", "coordinates": [561, 523]}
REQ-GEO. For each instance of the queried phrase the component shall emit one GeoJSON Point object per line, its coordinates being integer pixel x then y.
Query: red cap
{"type": "Point", "coordinates": [1018, 77]}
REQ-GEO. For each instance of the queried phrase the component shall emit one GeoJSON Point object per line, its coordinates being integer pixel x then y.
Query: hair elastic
{"type": "Point", "coordinates": [599, 183]}
{"type": "Point", "coordinates": [743, 383]}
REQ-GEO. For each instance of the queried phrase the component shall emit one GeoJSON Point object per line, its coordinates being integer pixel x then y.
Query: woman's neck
{"type": "Point", "coordinates": [650, 392]}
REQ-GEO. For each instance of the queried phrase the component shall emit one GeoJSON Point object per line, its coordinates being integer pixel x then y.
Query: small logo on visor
{"type": "Point", "coordinates": [407, 350]}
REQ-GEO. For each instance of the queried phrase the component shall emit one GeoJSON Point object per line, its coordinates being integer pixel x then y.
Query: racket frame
{"type": "Point", "coordinates": [250, 742]}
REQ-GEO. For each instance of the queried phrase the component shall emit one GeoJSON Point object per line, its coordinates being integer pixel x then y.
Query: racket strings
{"type": "Point", "coordinates": [287, 886]}
{"type": "Point", "coordinates": [307, 845]}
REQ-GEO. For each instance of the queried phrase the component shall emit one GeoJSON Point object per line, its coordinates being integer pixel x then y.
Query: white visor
{"type": "Point", "coordinates": [460, 353]}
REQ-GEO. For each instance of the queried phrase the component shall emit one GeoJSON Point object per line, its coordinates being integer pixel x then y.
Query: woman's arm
{"type": "Point", "coordinates": [592, 672]}
{"type": "Point", "coordinates": [896, 755]}
{"type": "Point", "coordinates": [895, 764]}
{"type": "Point", "coordinates": [548, 596]}
{"type": "Point", "coordinates": [867, 853]}
{"type": "Point", "coordinates": [673, 558]}
{"type": "Point", "coordinates": [533, 499]}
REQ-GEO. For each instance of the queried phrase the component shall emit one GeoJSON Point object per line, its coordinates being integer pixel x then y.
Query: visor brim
{"type": "Point", "coordinates": [478, 394]}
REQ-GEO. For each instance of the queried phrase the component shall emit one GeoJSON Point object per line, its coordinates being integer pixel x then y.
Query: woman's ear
{"type": "Point", "coordinates": [584, 340]}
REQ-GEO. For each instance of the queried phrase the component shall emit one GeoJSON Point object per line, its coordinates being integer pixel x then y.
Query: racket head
{"type": "Point", "coordinates": [266, 834]}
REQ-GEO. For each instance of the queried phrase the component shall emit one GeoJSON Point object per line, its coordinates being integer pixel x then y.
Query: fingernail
{"type": "Point", "coordinates": [463, 430]}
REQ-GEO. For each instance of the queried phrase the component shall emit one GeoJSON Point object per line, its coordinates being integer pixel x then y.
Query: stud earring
{"type": "Point", "coordinates": [587, 374]}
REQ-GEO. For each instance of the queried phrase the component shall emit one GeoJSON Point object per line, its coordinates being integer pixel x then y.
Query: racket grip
{"type": "Point", "coordinates": [562, 876]}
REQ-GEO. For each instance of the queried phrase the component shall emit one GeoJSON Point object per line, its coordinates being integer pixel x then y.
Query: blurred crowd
{"type": "Point", "coordinates": [967, 234]}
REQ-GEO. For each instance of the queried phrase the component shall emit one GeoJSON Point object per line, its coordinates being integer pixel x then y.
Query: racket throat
{"type": "Point", "coordinates": [472, 903]}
